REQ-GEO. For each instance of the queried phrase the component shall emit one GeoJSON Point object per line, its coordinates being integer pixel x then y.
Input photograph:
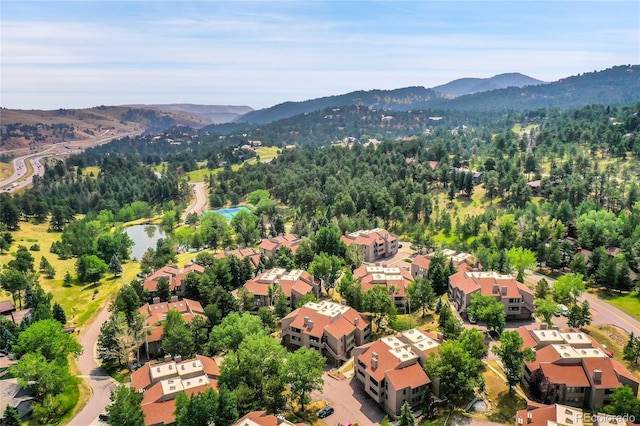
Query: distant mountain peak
{"type": "Point", "coordinates": [468, 86]}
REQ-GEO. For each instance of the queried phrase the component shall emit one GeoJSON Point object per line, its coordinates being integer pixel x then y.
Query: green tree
{"type": "Point", "coordinates": [631, 351]}
{"type": "Point", "coordinates": [406, 416]}
{"type": "Point", "coordinates": [489, 311]}
{"type": "Point", "coordinates": [546, 309]}
{"type": "Point", "coordinates": [623, 401]}
{"type": "Point", "coordinates": [215, 230]}
{"type": "Point", "coordinates": [245, 223]}
{"type": "Point", "coordinates": [281, 306]}
{"type": "Point", "coordinates": [379, 304]}
{"type": "Point", "coordinates": [67, 280]}
{"type": "Point", "coordinates": [457, 370]}
{"type": "Point", "coordinates": [351, 291]}
{"type": "Point", "coordinates": [542, 289]}
{"type": "Point", "coordinates": [579, 315]}
{"type": "Point", "coordinates": [196, 409]}
{"type": "Point", "coordinates": [421, 294]}
{"type": "Point", "coordinates": [49, 339]}
{"type": "Point", "coordinates": [327, 240]}
{"type": "Point", "coordinates": [327, 268]}
{"type": "Point", "coordinates": [115, 266]}
{"type": "Point", "coordinates": [473, 342]}
{"type": "Point", "coordinates": [310, 297]}
{"type": "Point", "coordinates": [303, 371]}
{"type": "Point", "coordinates": [568, 288]}
{"type": "Point", "coordinates": [304, 253]}
{"type": "Point", "coordinates": [59, 314]}
{"type": "Point", "coordinates": [163, 290]}
{"type": "Point", "coordinates": [90, 268]}
{"type": "Point", "coordinates": [178, 339]}
{"type": "Point", "coordinates": [521, 259]}
{"type": "Point", "coordinates": [14, 282]}
{"type": "Point", "coordinates": [268, 318]}
{"type": "Point", "coordinates": [125, 407]}
{"type": "Point", "coordinates": [23, 261]}
{"type": "Point", "coordinates": [233, 329]}
{"type": "Point", "coordinates": [11, 417]}
{"type": "Point", "coordinates": [41, 376]}
{"type": "Point", "coordinates": [513, 356]}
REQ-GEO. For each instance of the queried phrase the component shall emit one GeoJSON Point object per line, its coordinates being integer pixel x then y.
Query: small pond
{"type": "Point", "coordinates": [144, 237]}
{"type": "Point", "coordinates": [480, 406]}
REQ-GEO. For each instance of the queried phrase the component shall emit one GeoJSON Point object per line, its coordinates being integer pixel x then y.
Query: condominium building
{"type": "Point", "coordinates": [374, 243]}
{"type": "Point", "coordinates": [294, 284]}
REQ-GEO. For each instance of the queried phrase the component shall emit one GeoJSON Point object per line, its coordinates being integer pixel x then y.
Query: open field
{"type": "Point", "coordinates": [78, 301]}
{"type": "Point", "coordinates": [6, 170]}
{"type": "Point", "coordinates": [628, 303]}
{"type": "Point", "coordinates": [266, 153]}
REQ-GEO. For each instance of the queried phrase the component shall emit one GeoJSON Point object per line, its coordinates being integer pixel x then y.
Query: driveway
{"type": "Point", "coordinates": [100, 382]}
{"type": "Point", "coordinates": [349, 401]}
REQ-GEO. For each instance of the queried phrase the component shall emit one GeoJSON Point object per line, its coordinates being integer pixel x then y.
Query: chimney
{"type": "Point", "coordinates": [306, 320]}
{"type": "Point", "coordinates": [495, 288]}
{"type": "Point", "coordinates": [156, 300]}
{"type": "Point", "coordinates": [310, 324]}
{"type": "Point", "coordinates": [177, 358]}
{"type": "Point", "coordinates": [167, 358]}
{"type": "Point", "coordinates": [356, 321]}
{"type": "Point", "coordinates": [529, 417]}
{"type": "Point", "coordinates": [374, 360]}
{"type": "Point", "coordinates": [440, 337]}
{"type": "Point", "coordinates": [543, 326]}
{"type": "Point", "coordinates": [504, 289]}
{"type": "Point", "coordinates": [174, 298]}
{"type": "Point", "coordinates": [597, 375]}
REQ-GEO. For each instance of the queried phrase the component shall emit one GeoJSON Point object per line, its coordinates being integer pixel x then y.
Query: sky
{"type": "Point", "coordinates": [77, 54]}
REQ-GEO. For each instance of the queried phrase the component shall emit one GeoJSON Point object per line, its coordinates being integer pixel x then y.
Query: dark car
{"type": "Point", "coordinates": [104, 416]}
{"type": "Point", "coordinates": [325, 412]}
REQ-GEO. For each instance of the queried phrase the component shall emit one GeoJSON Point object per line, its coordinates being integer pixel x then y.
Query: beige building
{"type": "Point", "coordinates": [549, 415]}
{"type": "Point", "coordinates": [374, 243]}
{"type": "Point", "coordinates": [420, 264]}
{"type": "Point", "coordinates": [270, 246]}
{"type": "Point", "coordinates": [174, 275]}
{"type": "Point", "coordinates": [160, 383]}
{"type": "Point", "coordinates": [295, 284]}
{"type": "Point", "coordinates": [577, 368]}
{"type": "Point", "coordinates": [390, 369]}
{"type": "Point", "coordinates": [516, 297]}
{"type": "Point", "coordinates": [395, 280]}
{"type": "Point", "coordinates": [332, 329]}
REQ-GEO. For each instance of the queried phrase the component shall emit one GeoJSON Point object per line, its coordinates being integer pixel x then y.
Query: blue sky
{"type": "Point", "coordinates": [73, 54]}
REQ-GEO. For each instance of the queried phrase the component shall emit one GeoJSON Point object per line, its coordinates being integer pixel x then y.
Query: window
{"type": "Point", "coordinates": [295, 330]}
{"type": "Point", "coordinates": [361, 373]}
{"type": "Point", "coordinates": [374, 381]}
{"type": "Point", "coordinates": [373, 390]}
{"type": "Point", "coordinates": [404, 391]}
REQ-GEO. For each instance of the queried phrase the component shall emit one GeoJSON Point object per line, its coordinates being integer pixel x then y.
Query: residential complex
{"type": "Point", "coordinates": [577, 368]}
{"type": "Point", "coordinates": [420, 264]}
{"type": "Point", "coordinates": [395, 280]}
{"type": "Point", "coordinates": [160, 383]}
{"type": "Point", "coordinates": [174, 275]}
{"type": "Point", "coordinates": [332, 329]}
{"type": "Point", "coordinates": [154, 314]}
{"type": "Point", "coordinates": [242, 253]}
{"type": "Point", "coordinates": [261, 418]}
{"type": "Point", "coordinates": [294, 284]}
{"type": "Point", "coordinates": [270, 246]}
{"type": "Point", "coordinates": [516, 297]}
{"type": "Point", "coordinates": [391, 369]}
{"type": "Point", "coordinates": [549, 415]}
{"type": "Point", "coordinates": [375, 243]}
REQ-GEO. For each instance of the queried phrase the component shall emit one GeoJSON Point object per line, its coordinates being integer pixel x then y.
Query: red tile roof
{"type": "Point", "coordinates": [412, 377]}
{"type": "Point", "coordinates": [6, 306]}
{"type": "Point", "coordinates": [539, 416]}
{"type": "Point", "coordinates": [159, 412]}
{"type": "Point", "coordinates": [569, 375]}
{"type": "Point", "coordinates": [528, 340]}
{"type": "Point", "coordinates": [609, 378]}
{"type": "Point", "coordinates": [422, 261]}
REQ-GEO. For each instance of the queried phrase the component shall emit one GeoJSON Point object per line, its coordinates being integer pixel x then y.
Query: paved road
{"type": "Point", "coordinates": [100, 382]}
{"type": "Point", "coordinates": [199, 204]}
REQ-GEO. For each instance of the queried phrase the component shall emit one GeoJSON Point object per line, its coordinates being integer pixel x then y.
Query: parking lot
{"type": "Point", "coordinates": [349, 401]}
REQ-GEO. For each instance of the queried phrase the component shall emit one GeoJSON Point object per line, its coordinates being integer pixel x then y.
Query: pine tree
{"type": "Point", "coordinates": [406, 416]}
{"type": "Point", "coordinates": [631, 351]}
{"type": "Point", "coordinates": [11, 417]}
{"type": "Point", "coordinates": [115, 266]}
{"type": "Point", "coordinates": [66, 282]}
{"type": "Point", "coordinates": [59, 314]}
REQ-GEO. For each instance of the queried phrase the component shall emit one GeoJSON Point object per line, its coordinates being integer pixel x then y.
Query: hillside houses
{"type": "Point", "coordinates": [395, 280]}
{"type": "Point", "coordinates": [270, 246]}
{"type": "Point", "coordinates": [390, 370]}
{"type": "Point", "coordinates": [241, 254]}
{"type": "Point", "coordinates": [420, 264]}
{"type": "Point", "coordinates": [332, 329]}
{"type": "Point", "coordinates": [295, 284]}
{"type": "Point", "coordinates": [516, 297]}
{"type": "Point", "coordinates": [375, 243]}
{"type": "Point", "coordinates": [174, 275]}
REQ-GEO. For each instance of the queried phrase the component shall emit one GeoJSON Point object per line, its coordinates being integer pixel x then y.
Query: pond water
{"type": "Point", "coordinates": [144, 237]}
{"type": "Point", "coordinates": [480, 406]}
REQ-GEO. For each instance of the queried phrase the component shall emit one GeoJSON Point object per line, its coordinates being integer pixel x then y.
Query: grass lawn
{"type": "Point", "coordinates": [504, 404]}
{"type": "Point", "coordinates": [628, 303]}
{"type": "Point", "coordinates": [615, 339]}
{"type": "Point", "coordinates": [266, 153]}
{"type": "Point", "coordinates": [78, 297]}
{"type": "Point", "coordinates": [6, 170]}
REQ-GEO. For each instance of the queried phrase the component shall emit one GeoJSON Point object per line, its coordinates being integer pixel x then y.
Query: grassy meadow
{"type": "Point", "coordinates": [266, 153]}
{"type": "Point", "coordinates": [6, 170]}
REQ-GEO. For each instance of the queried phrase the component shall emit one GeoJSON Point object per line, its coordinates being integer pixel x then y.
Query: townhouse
{"type": "Point", "coordinates": [516, 297]}
{"type": "Point", "coordinates": [332, 329]}
{"type": "Point", "coordinates": [294, 284]}
{"type": "Point", "coordinates": [420, 264]}
{"type": "Point", "coordinates": [242, 253]}
{"type": "Point", "coordinates": [580, 373]}
{"type": "Point", "coordinates": [270, 246]}
{"type": "Point", "coordinates": [161, 382]}
{"type": "Point", "coordinates": [395, 280]}
{"type": "Point", "coordinates": [374, 243]}
{"type": "Point", "coordinates": [549, 415]}
{"type": "Point", "coordinates": [390, 370]}
{"type": "Point", "coordinates": [174, 275]}
{"type": "Point", "coordinates": [154, 314]}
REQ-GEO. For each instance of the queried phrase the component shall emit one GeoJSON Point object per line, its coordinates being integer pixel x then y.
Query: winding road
{"type": "Point", "coordinates": [200, 203]}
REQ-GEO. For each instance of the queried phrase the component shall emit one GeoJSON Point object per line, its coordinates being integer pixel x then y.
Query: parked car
{"type": "Point", "coordinates": [104, 416]}
{"type": "Point", "coordinates": [325, 412]}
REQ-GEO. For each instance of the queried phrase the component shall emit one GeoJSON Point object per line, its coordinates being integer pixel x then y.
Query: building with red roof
{"type": "Point", "coordinates": [395, 280]}
{"type": "Point", "coordinates": [374, 243]}
{"type": "Point", "coordinates": [154, 314]}
{"type": "Point", "coordinates": [261, 418]}
{"type": "Point", "coordinates": [577, 368]}
{"type": "Point", "coordinates": [161, 382]}
{"type": "Point", "coordinates": [242, 253]}
{"type": "Point", "coordinates": [549, 415]}
{"type": "Point", "coordinates": [332, 329]}
{"type": "Point", "coordinates": [174, 275]}
{"type": "Point", "coordinates": [390, 369]}
{"type": "Point", "coordinates": [462, 261]}
{"type": "Point", "coordinates": [270, 246]}
{"type": "Point", "coordinates": [516, 297]}
{"type": "Point", "coordinates": [295, 284]}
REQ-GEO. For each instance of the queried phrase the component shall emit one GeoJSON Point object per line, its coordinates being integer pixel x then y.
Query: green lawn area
{"type": "Point", "coordinates": [6, 170]}
{"type": "Point", "coordinates": [266, 153]}
{"type": "Point", "coordinates": [79, 296]}
{"type": "Point", "coordinates": [628, 303]}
